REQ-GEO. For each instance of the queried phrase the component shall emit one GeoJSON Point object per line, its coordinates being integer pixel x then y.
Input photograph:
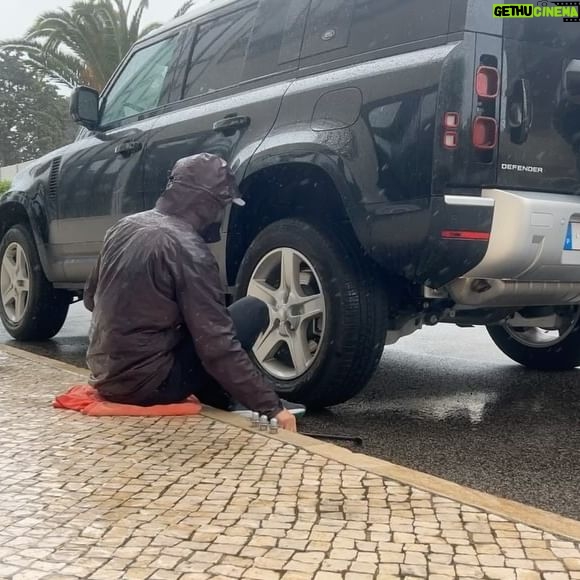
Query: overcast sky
{"type": "Point", "coordinates": [18, 16]}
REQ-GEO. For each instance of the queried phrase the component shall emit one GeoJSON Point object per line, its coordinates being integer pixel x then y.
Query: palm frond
{"type": "Point", "coordinates": [86, 42]}
{"type": "Point", "coordinates": [148, 29]}
{"type": "Point", "coordinates": [63, 69]}
{"type": "Point", "coordinates": [135, 25]}
{"type": "Point", "coordinates": [184, 8]}
{"type": "Point", "coordinates": [113, 27]}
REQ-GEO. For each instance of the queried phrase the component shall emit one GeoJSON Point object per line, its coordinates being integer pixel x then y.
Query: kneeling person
{"type": "Point", "coordinates": [160, 329]}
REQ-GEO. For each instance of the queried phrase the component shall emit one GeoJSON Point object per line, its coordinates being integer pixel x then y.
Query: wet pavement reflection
{"type": "Point", "coordinates": [446, 401]}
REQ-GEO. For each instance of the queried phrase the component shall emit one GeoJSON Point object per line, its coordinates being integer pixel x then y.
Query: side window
{"type": "Point", "coordinates": [348, 27]}
{"type": "Point", "coordinates": [328, 26]}
{"type": "Point", "coordinates": [218, 57]}
{"type": "Point", "coordinates": [276, 38]}
{"type": "Point", "coordinates": [385, 23]}
{"type": "Point", "coordinates": [138, 88]}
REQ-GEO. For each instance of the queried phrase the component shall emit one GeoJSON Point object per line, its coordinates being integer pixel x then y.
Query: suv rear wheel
{"type": "Point", "coordinates": [542, 348]}
{"type": "Point", "coordinates": [30, 308]}
{"type": "Point", "coordinates": [328, 312]}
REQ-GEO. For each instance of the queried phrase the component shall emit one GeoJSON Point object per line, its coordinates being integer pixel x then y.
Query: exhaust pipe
{"type": "Point", "coordinates": [483, 292]}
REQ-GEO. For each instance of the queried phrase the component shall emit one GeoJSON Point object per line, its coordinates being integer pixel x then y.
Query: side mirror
{"type": "Point", "coordinates": [84, 107]}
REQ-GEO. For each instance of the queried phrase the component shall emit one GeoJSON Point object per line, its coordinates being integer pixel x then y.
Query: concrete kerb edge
{"type": "Point", "coordinates": [508, 509]}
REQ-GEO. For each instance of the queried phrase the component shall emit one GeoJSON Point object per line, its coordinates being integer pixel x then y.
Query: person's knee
{"type": "Point", "coordinates": [259, 311]}
{"type": "Point", "coordinates": [251, 317]}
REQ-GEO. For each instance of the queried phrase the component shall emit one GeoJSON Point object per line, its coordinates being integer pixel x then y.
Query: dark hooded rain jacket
{"type": "Point", "coordinates": [157, 280]}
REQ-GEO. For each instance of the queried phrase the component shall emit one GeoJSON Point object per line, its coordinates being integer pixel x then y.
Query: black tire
{"type": "Point", "coordinates": [47, 308]}
{"type": "Point", "coordinates": [356, 311]}
{"type": "Point", "coordinates": [562, 356]}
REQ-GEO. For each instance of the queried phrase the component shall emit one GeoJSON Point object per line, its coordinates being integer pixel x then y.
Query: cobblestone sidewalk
{"type": "Point", "coordinates": [196, 498]}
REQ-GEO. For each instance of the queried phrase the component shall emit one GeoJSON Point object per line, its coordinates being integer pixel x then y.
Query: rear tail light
{"type": "Point", "coordinates": [484, 133]}
{"type": "Point", "coordinates": [487, 82]}
{"type": "Point", "coordinates": [451, 120]}
{"type": "Point", "coordinates": [451, 126]}
{"type": "Point", "coordinates": [465, 235]}
{"type": "Point", "coordinates": [450, 140]}
{"type": "Point", "coordinates": [483, 118]}
{"type": "Point", "coordinates": [485, 125]}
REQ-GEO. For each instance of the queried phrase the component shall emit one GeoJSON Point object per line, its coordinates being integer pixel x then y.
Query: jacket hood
{"type": "Point", "coordinates": [200, 188]}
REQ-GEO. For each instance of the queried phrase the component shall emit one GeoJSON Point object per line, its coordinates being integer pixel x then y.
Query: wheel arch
{"type": "Point", "coordinates": [284, 188]}
{"type": "Point", "coordinates": [17, 209]}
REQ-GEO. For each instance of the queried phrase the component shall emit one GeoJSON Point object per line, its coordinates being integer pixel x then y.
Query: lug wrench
{"type": "Point", "coordinates": [356, 440]}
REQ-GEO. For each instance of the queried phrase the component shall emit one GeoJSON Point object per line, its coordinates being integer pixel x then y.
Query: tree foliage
{"type": "Point", "coordinates": [84, 44]}
{"type": "Point", "coordinates": [34, 118]}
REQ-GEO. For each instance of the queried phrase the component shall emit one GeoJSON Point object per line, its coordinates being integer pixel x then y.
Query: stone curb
{"type": "Point", "coordinates": [511, 510]}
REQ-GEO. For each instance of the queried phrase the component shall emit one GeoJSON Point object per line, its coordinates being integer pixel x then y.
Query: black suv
{"type": "Point", "coordinates": [404, 162]}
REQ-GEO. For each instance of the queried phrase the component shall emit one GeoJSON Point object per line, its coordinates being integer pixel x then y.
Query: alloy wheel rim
{"type": "Point", "coordinates": [286, 281]}
{"type": "Point", "coordinates": [536, 337]}
{"type": "Point", "coordinates": [15, 282]}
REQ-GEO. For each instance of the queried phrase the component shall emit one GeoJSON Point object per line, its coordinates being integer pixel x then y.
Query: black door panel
{"type": "Point", "coordinates": [101, 181]}
{"type": "Point", "coordinates": [540, 130]}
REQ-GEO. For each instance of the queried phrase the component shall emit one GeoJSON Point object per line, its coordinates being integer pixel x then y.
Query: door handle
{"type": "Point", "coordinates": [128, 148]}
{"type": "Point", "coordinates": [231, 124]}
{"type": "Point", "coordinates": [572, 81]}
{"type": "Point", "coordinates": [519, 112]}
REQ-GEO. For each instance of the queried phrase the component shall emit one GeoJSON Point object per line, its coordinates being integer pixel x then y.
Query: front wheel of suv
{"type": "Point", "coordinates": [30, 308]}
{"type": "Point", "coordinates": [546, 349]}
{"type": "Point", "coordinates": [328, 312]}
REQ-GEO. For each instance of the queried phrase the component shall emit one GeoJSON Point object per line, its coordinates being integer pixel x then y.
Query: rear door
{"type": "Point", "coordinates": [230, 86]}
{"type": "Point", "coordinates": [539, 146]}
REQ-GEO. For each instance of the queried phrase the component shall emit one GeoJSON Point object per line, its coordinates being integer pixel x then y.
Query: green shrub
{"type": "Point", "coordinates": [4, 186]}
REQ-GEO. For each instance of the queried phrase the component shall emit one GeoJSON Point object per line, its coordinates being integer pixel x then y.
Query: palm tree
{"type": "Point", "coordinates": [83, 45]}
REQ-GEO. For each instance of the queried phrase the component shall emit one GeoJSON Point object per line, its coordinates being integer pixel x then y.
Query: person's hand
{"type": "Point", "coordinates": [286, 421]}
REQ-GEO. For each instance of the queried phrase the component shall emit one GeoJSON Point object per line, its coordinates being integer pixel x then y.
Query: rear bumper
{"type": "Point", "coordinates": [500, 248]}
{"type": "Point", "coordinates": [459, 230]}
{"type": "Point", "coordinates": [528, 236]}
{"type": "Point", "coordinates": [525, 263]}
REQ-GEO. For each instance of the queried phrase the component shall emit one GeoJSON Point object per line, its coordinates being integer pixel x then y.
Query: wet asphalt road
{"type": "Point", "coordinates": [446, 401]}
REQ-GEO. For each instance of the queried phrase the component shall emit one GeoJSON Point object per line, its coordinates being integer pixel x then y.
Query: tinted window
{"type": "Point", "coordinates": [277, 38]}
{"type": "Point", "coordinates": [329, 25]}
{"type": "Point", "coordinates": [384, 23]}
{"type": "Point", "coordinates": [219, 53]}
{"type": "Point", "coordinates": [139, 87]}
{"type": "Point", "coordinates": [366, 25]}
